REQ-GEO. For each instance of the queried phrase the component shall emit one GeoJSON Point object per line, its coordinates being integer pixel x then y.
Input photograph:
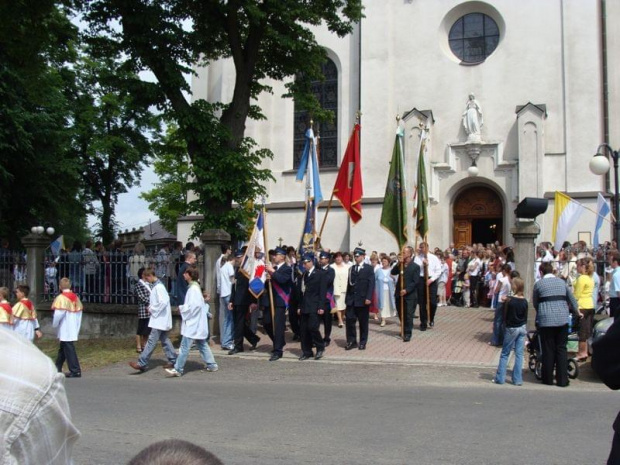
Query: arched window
{"type": "Point", "coordinates": [473, 37]}
{"type": "Point", "coordinates": [327, 94]}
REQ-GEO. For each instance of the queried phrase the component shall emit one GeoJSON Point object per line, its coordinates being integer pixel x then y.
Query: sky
{"type": "Point", "coordinates": [132, 211]}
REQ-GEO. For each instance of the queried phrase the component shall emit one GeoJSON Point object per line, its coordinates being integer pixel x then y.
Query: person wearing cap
{"type": "Point", "coordinates": [311, 309]}
{"type": "Point", "coordinates": [329, 274]}
{"type": "Point", "coordinates": [240, 300]}
{"type": "Point", "coordinates": [281, 280]}
{"type": "Point", "coordinates": [360, 289]}
{"type": "Point", "coordinates": [426, 259]}
{"type": "Point", "coordinates": [408, 290]}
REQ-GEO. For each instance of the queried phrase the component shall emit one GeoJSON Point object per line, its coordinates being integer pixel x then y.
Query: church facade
{"type": "Point", "coordinates": [515, 98]}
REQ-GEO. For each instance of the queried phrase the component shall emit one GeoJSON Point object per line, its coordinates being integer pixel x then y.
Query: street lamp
{"type": "Point", "coordinates": [39, 230]}
{"type": "Point", "coordinates": [473, 170]}
{"type": "Point", "coordinates": [600, 165]}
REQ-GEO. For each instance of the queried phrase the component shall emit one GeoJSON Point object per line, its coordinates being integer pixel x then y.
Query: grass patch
{"type": "Point", "coordinates": [94, 353]}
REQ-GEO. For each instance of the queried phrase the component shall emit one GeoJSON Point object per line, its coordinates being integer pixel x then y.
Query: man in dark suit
{"type": "Point", "coordinates": [329, 274]}
{"type": "Point", "coordinates": [360, 289]}
{"type": "Point", "coordinates": [281, 280]}
{"type": "Point", "coordinates": [311, 309]}
{"type": "Point", "coordinates": [407, 290]}
{"type": "Point", "coordinates": [240, 300]}
{"type": "Point", "coordinates": [295, 302]}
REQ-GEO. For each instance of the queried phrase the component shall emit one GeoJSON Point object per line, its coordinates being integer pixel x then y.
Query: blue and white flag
{"type": "Point", "coordinates": [308, 235]}
{"type": "Point", "coordinates": [310, 164]}
{"type": "Point", "coordinates": [602, 210]}
{"type": "Point", "coordinates": [57, 245]}
{"type": "Point", "coordinates": [253, 264]}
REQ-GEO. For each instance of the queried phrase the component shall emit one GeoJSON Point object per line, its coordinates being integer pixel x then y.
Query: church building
{"type": "Point", "coordinates": [515, 97]}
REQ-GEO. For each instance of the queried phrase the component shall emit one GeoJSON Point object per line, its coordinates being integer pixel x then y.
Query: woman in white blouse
{"type": "Point", "coordinates": [340, 286]}
{"type": "Point", "coordinates": [384, 288]}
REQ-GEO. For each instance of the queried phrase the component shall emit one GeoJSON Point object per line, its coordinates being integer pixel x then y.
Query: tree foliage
{"type": "Point", "coordinates": [266, 39]}
{"type": "Point", "coordinates": [39, 177]}
{"type": "Point", "coordinates": [113, 131]}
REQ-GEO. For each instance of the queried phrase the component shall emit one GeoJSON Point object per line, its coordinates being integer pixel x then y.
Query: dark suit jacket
{"type": "Point", "coordinates": [240, 294]}
{"type": "Point", "coordinates": [411, 278]}
{"type": "Point", "coordinates": [329, 275]}
{"type": "Point", "coordinates": [606, 356]}
{"type": "Point", "coordinates": [282, 278]}
{"type": "Point", "coordinates": [360, 287]}
{"type": "Point", "coordinates": [313, 298]}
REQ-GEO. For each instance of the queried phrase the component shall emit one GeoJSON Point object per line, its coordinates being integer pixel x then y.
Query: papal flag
{"type": "Point", "coordinates": [394, 213]}
{"type": "Point", "coordinates": [565, 215]}
{"type": "Point", "coordinates": [57, 245]}
{"type": "Point", "coordinates": [602, 210]}
{"type": "Point", "coordinates": [253, 264]}
{"type": "Point", "coordinates": [348, 187]}
{"type": "Point", "coordinates": [420, 206]}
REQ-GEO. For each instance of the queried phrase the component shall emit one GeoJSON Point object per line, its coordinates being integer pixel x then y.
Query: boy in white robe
{"type": "Point", "coordinates": [160, 324]}
{"type": "Point", "coordinates": [67, 309]}
{"type": "Point", "coordinates": [6, 312]}
{"type": "Point", "coordinates": [25, 315]}
{"type": "Point", "coordinates": [195, 326]}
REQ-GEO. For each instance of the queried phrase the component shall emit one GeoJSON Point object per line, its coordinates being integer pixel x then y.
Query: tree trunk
{"type": "Point", "coordinates": [107, 229]}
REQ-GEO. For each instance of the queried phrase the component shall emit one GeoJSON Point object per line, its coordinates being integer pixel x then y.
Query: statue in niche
{"type": "Point", "coordinates": [472, 119]}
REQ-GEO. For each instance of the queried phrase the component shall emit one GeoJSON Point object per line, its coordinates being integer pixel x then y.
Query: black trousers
{"type": "Point", "coordinates": [66, 352]}
{"type": "Point", "coordinates": [409, 312]}
{"type": "Point", "coordinates": [327, 318]}
{"type": "Point", "coordinates": [241, 327]}
{"type": "Point", "coordinates": [310, 334]}
{"type": "Point", "coordinates": [276, 337]}
{"type": "Point", "coordinates": [422, 301]}
{"type": "Point", "coordinates": [614, 307]}
{"type": "Point", "coordinates": [474, 285]}
{"type": "Point", "coordinates": [553, 340]}
{"type": "Point", "coordinates": [293, 319]}
{"type": "Point", "coordinates": [355, 314]}
{"type": "Point", "coordinates": [614, 454]}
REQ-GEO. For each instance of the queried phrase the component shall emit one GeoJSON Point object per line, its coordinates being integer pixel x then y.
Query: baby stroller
{"type": "Point", "coordinates": [534, 349]}
{"type": "Point", "coordinates": [456, 299]}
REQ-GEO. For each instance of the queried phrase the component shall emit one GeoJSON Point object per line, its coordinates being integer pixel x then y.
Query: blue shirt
{"type": "Point", "coordinates": [615, 283]}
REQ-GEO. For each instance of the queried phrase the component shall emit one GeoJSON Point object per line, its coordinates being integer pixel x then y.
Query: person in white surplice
{"type": "Point", "coordinates": [195, 326]}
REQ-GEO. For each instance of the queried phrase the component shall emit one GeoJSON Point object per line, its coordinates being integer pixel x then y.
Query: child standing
{"type": "Point", "coordinates": [515, 319]}
{"type": "Point", "coordinates": [25, 315]}
{"type": "Point", "coordinates": [195, 326]}
{"type": "Point", "coordinates": [160, 323]}
{"type": "Point", "coordinates": [466, 293]}
{"type": "Point", "coordinates": [6, 312]}
{"type": "Point", "coordinates": [443, 279]}
{"type": "Point", "coordinates": [67, 309]}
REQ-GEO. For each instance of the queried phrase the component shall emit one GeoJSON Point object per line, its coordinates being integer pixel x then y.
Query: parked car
{"type": "Point", "coordinates": [599, 330]}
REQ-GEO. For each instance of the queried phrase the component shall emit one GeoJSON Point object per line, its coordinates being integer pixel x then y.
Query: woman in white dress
{"type": "Point", "coordinates": [340, 286]}
{"type": "Point", "coordinates": [384, 288]}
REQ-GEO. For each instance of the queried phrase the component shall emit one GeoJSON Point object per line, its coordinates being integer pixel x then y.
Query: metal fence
{"type": "Point", "coordinates": [109, 277]}
{"type": "Point", "coordinates": [12, 268]}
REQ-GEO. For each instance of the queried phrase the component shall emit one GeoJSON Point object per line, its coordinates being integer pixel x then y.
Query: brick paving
{"type": "Point", "coordinates": [459, 337]}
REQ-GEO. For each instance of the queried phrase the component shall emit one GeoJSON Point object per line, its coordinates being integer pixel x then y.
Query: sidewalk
{"type": "Point", "coordinates": [459, 337]}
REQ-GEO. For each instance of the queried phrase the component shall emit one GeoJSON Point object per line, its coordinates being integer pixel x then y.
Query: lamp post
{"type": "Point", "coordinates": [600, 165]}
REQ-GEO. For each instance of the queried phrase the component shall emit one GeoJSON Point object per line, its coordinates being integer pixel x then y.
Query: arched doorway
{"type": "Point", "coordinates": [478, 217]}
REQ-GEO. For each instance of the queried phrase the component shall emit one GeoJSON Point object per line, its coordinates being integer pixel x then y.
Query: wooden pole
{"type": "Point", "coordinates": [329, 207]}
{"type": "Point", "coordinates": [402, 298]}
{"type": "Point", "coordinates": [428, 294]}
{"type": "Point", "coordinates": [273, 311]}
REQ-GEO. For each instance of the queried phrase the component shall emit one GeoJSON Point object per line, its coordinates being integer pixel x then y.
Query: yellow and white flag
{"type": "Point", "coordinates": [565, 215]}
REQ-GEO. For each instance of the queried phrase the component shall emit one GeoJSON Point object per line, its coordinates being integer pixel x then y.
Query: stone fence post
{"type": "Point", "coordinates": [35, 268]}
{"type": "Point", "coordinates": [213, 240]}
{"type": "Point", "coordinates": [525, 234]}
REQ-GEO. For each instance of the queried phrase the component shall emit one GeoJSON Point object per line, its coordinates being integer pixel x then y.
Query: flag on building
{"type": "Point", "coordinates": [253, 264]}
{"type": "Point", "coordinates": [602, 210]}
{"type": "Point", "coordinates": [420, 197]}
{"type": "Point", "coordinates": [348, 187]}
{"type": "Point", "coordinates": [565, 215]}
{"type": "Point", "coordinates": [394, 212]}
{"type": "Point", "coordinates": [309, 165]}
{"type": "Point", "coordinates": [57, 245]}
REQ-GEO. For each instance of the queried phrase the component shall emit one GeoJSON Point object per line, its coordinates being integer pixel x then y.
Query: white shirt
{"type": "Point", "coordinates": [35, 419]}
{"type": "Point", "coordinates": [194, 313]}
{"type": "Point", "coordinates": [474, 267]}
{"type": "Point", "coordinates": [159, 306]}
{"type": "Point", "coordinates": [67, 324]}
{"type": "Point", "coordinates": [434, 266]}
{"type": "Point", "coordinates": [226, 275]}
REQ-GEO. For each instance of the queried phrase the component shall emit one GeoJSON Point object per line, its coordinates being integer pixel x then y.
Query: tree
{"type": "Point", "coordinates": [168, 198]}
{"type": "Point", "coordinates": [113, 129]}
{"type": "Point", "coordinates": [266, 39]}
{"type": "Point", "coordinates": [39, 177]}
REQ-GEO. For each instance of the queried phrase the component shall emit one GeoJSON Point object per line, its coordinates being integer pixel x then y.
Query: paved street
{"type": "Point", "coordinates": [337, 412]}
